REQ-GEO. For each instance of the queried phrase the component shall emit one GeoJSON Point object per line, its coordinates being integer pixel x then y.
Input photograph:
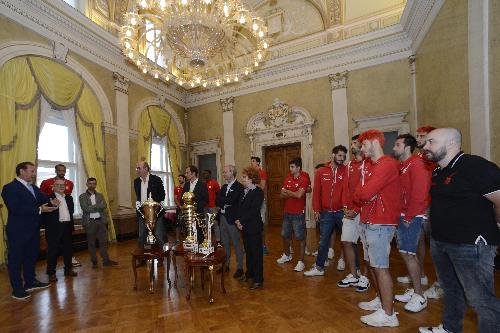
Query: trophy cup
{"type": "Point", "coordinates": [190, 217]}
{"type": "Point", "coordinates": [149, 210]}
{"type": "Point", "coordinates": [206, 226]}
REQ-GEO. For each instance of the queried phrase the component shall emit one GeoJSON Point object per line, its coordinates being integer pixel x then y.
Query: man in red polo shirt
{"type": "Point", "coordinates": [415, 184]}
{"type": "Point", "coordinates": [380, 199]}
{"type": "Point", "coordinates": [47, 185]}
{"type": "Point", "coordinates": [213, 188]}
{"type": "Point", "coordinates": [177, 198]}
{"type": "Point", "coordinates": [294, 192]}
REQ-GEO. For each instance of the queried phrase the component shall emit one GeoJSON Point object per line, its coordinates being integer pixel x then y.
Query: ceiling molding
{"type": "Point", "coordinates": [303, 59]}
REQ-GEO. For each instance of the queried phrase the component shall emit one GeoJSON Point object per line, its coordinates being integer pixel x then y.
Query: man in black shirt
{"type": "Point", "coordinates": [464, 212]}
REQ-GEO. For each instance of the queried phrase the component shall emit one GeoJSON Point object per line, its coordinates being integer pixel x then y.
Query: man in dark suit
{"type": "Point", "coordinates": [24, 203]}
{"type": "Point", "coordinates": [227, 200]}
{"type": "Point", "coordinates": [196, 186]}
{"type": "Point", "coordinates": [58, 230]}
{"type": "Point", "coordinates": [147, 185]}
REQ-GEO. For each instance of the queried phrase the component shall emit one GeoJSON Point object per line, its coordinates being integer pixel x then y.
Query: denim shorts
{"type": "Point", "coordinates": [350, 230]}
{"type": "Point", "coordinates": [409, 234]}
{"type": "Point", "coordinates": [376, 241]}
{"type": "Point", "coordinates": [295, 222]}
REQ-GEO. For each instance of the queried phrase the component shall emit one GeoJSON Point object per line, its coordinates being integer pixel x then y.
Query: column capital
{"type": "Point", "coordinates": [227, 104]}
{"type": "Point", "coordinates": [411, 61]}
{"type": "Point", "coordinates": [338, 80]}
{"type": "Point", "coordinates": [121, 83]}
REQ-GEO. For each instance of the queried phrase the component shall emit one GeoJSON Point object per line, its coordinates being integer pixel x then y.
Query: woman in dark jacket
{"type": "Point", "coordinates": [249, 222]}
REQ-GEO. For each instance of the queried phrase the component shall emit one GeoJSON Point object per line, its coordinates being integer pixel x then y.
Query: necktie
{"type": "Point", "coordinates": [30, 188]}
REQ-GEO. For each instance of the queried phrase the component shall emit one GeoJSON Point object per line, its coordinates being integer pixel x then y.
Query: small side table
{"type": "Point", "coordinates": [192, 260]}
{"type": "Point", "coordinates": [150, 255]}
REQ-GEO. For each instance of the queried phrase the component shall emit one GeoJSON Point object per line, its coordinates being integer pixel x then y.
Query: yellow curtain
{"type": "Point", "coordinates": [21, 81]}
{"type": "Point", "coordinates": [90, 133]}
{"type": "Point", "coordinates": [144, 140]}
{"type": "Point", "coordinates": [154, 117]}
{"type": "Point", "coordinates": [18, 131]}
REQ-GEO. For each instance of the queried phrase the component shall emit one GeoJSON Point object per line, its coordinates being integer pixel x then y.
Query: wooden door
{"type": "Point", "coordinates": [277, 167]}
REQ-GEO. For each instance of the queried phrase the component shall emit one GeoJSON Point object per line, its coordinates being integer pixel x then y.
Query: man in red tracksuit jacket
{"type": "Point", "coordinates": [415, 184]}
{"type": "Point", "coordinates": [380, 198]}
{"type": "Point", "coordinates": [327, 204]}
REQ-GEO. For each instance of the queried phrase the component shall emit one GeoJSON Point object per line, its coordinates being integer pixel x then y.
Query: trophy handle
{"type": "Point", "coordinates": [138, 208]}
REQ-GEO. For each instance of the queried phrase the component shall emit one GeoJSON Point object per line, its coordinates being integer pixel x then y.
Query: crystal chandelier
{"type": "Point", "coordinates": [194, 43]}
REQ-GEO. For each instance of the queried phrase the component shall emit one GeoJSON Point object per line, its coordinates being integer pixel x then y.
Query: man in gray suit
{"type": "Point", "coordinates": [94, 222]}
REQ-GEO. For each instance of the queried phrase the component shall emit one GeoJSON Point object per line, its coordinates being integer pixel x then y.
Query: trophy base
{"type": "Point", "coordinates": [189, 246]}
{"type": "Point", "coordinates": [206, 250]}
{"type": "Point", "coordinates": [148, 246]}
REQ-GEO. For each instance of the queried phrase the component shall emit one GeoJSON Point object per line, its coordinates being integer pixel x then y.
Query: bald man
{"type": "Point", "coordinates": [464, 212]}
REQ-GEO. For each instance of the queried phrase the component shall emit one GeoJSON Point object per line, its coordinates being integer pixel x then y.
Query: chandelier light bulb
{"type": "Point", "coordinates": [226, 10]}
{"type": "Point", "coordinates": [266, 45]}
{"type": "Point", "coordinates": [156, 75]}
{"type": "Point", "coordinates": [261, 33]}
{"type": "Point", "coordinates": [255, 26]}
{"type": "Point", "coordinates": [144, 70]}
{"type": "Point", "coordinates": [127, 45]}
{"type": "Point", "coordinates": [242, 18]}
{"type": "Point", "coordinates": [167, 78]}
{"type": "Point", "coordinates": [163, 4]}
{"type": "Point", "coordinates": [246, 71]}
{"type": "Point", "coordinates": [138, 62]}
{"type": "Point", "coordinates": [236, 78]}
{"type": "Point", "coordinates": [128, 33]}
{"type": "Point", "coordinates": [133, 20]}
{"type": "Point", "coordinates": [204, 84]}
{"type": "Point", "coordinates": [208, 2]}
{"type": "Point", "coordinates": [184, 2]}
{"type": "Point", "coordinates": [198, 80]}
{"type": "Point", "coordinates": [217, 83]}
{"type": "Point", "coordinates": [144, 4]}
{"type": "Point", "coordinates": [256, 64]}
{"type": "Point", "coordinates": [228, 79]}
{"type": "Point", "coordinates": [259, 56]}
{"type": "Point", "coordinates": [192, 84]}
{"type": "Point", "coordinates": [130, 54]}
{"type": "Point", "coordinates": [180, 82]}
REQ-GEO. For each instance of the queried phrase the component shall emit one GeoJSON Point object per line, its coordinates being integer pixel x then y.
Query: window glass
{"type": "Point", "coordinates": [160, 166]}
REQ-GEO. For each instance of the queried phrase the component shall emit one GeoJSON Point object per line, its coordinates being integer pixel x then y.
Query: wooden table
{"type": "Point", "coordinates": [177, 251]}
{"type": "Point", "coordinates": [140, 254]}
{"type": "Point", "coordinates": [192, 260]}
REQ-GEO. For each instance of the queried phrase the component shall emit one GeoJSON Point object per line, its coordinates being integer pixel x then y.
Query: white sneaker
{"type": "Point", "coordinates": [348, 281]}
{"type": "Point", "coordinates": [299, 267]}
{"type": "Point", "coordinates": [284, 258]}
{"type": "Point", "coordinates": [75, 263]}
{"type": "Point", "coordinates": [434, 292]}
{"type": "Point", "coordinates": [406, 297]}
{"type": "Point", "coordinates": [314, 271]}
{"type": "Point", "coordinates": [307, 253]}
{"type": "Point", "coordinates": [416, 304]}
{"type": "Point", "coordinates": [363, 284]}
{"type": "Point", "coordinates": [341, 265]}
{"type": "Point", "coordinates": [315, 253]}
{"type": "Point", "coordinates": [380, 319]}
{"type": "Point", "coordinates": [406, 279]}
{"type": "Point", "coordinates": [327, 263]}
{"type": "Point", "coordinates": [437, 329]}
{"type": "Point", "coordinates": [331, 253]}
{"type": "Point", "coordinates": [372, 305]}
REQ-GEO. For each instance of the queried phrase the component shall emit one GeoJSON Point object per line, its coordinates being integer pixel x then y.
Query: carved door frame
{"type": "Point", "coordinates": [281, 124]}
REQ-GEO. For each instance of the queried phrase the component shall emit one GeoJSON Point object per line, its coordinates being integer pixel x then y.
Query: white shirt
{"type": "Point", "coordinates": [92, 200]}
{"type": "Point", "coordinates": [144, 188]}
{"type": "Point", "coordinates": [192, 185]}
{"type": "Point", "coordinates": [227, 191]}
{"type": "Point", "coordinates": [25, 183]}
{"type": "Point", "coordinates": [63, 208]}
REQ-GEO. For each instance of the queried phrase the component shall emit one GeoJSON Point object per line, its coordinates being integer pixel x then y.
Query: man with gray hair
{"type": "Point", "coordinates": [464, 212]}
{"type": "Point", "coordinates": [227, 200]}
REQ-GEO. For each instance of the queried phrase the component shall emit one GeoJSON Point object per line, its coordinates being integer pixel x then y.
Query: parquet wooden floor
{"type": "Point", "coordinates": [103, 300]}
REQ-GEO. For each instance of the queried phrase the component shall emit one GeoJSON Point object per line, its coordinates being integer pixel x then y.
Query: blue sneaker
{"type": "Point", "coordinates": [265, 250]}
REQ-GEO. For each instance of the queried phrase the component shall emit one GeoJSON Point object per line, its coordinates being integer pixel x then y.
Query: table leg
{"type": "Point", "coordinates": [202, 269]}
{"type": "Point", "coordinates": [210, 285]}
{"type": "Point", "coordinates": [187, 277]}
{"type": "Point", "coordinates": [134, 268]}
{"type": "Point", "coordinates": [174, 259]}
{"type": "Point", "coordinates": [151, 275]}
{"type": "Point", "coordinates": [222, 277]}
{"type": "Point", "coordinates": [168, 267]}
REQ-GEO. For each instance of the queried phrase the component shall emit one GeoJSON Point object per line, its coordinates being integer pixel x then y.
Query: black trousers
{"type": "Point", "coordinates": [254, 256]}
{"type": "Point", "coordinates": [58, 235]}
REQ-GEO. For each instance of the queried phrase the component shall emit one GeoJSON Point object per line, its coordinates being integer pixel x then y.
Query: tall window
{"type": "Point", "coordinates": [160, 166]}
{"type": "Point", "coordinates": [153, 41]}
{"type": "Point", "coordinates": [58, 143]}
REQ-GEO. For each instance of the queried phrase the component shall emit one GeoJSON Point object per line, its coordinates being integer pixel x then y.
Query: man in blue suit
{"type": "Point", "coordinates": [24, 203]}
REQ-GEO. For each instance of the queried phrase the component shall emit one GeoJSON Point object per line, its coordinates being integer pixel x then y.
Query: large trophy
{"type": "Point", "coordinates": [149, 210]}
{"type": "Point", "coordinates": [193, 221]}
